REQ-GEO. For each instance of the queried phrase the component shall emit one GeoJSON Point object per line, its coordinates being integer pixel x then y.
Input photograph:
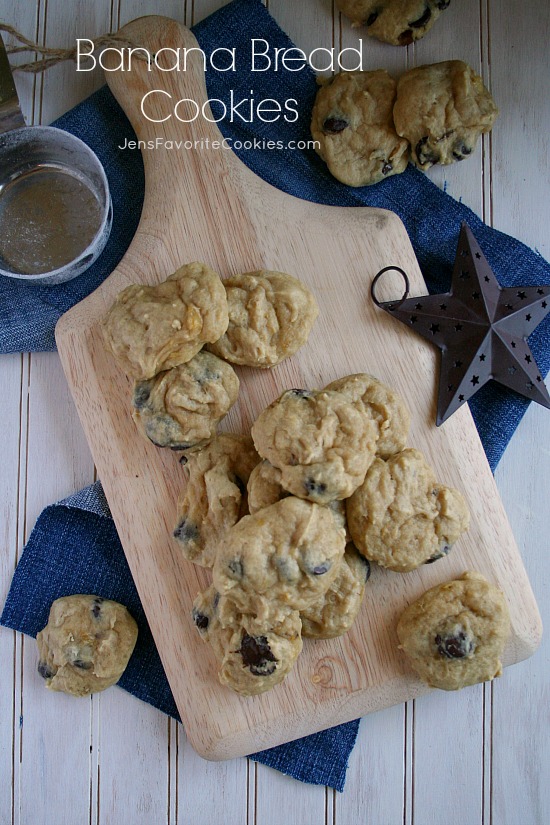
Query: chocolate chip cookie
{"type": "Point", "coordinates": [215, 496]}
{"type": "Point", "coordinates": [401, 517]}
{"type": "Point", "coordinates": [254, 652]}
{"type": "Point", "coordinates": [181, 408]}
{"type": "Point", "coordinates": [383, 405]}
{"type": "Point", "coordinates": [86, 644]}
{"type": "Point", "coordinates": [352, 120]}
{"type": "Point", "coordinates": [287, 553]}
{"type": "Point", "coordinates": [334, 613]}
{"type": "Point", "coordinates": [270, 317]}
{"type": "Point", "coordinates": [442, 109]}
{"type": "Point", "coordinates": [264, 488]}
{"type": "Point", "coordinates": [154, 328]}
{"type": "Point", "coordinates": [398, 22]}
{"type": "Point", "coordinates": [322, 443]}
{"type": "Point", "coordinates": [455, 633]}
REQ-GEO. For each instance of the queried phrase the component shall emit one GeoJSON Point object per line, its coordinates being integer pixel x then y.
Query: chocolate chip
{"type": "Point", "coordinates": [257, 655]}
{"type": "Point", "coordinates": [186, 532]}
{"type": "Point", "coordinates": [81, 664]}
{"type": "Point", "coordinates": [443, 4]}
{"type": "Point", "coordinates": [372, 18]}
{"type": "Point", "coordinates": [216, 600]}
{"type": "Point", "coordinates": [387, 167]}
{"type": "Point", "coordinates": [334, 125]}
{"type": "Point", "coordinates": [455, 647]}
{"type": "Point", "coordinates": [440, 554]}
{"type": "Point", "coordinates": [201, 621]}
{"type": "Point", "coordinates": [315, 487]}
{"type": "Point", "coordinates": [405, 38]}
{"type": "Point", "coordinates": [300, 393]}
{"type": "Point", "coordinates": [236, 568]}
{"type": "Point", "coordinates": [421, 22]}
{"type": "Point", "coordinates": [183, 460]}
{"type": "Point", "coordinates": [425, 154]}
{"type": "Point", "coordinates": [460, 151]}
{"type": "Point", "coordinates": [142, 391]}
{"type": "Point", "coordinates": [96, 607]}
{"type": "Point", "coordinates": [321, 569]}
{"type": "Point", "coordinates": [46, 671]}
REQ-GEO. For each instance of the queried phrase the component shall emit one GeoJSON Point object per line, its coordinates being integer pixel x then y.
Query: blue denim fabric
{"type": "Point", "coordinates": [74, 548]}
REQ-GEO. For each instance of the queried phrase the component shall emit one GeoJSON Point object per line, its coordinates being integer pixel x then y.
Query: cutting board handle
{"type": "Point", "coordinates": [161, 82]}
{"type": "Point", "coordinates": [192, 180]}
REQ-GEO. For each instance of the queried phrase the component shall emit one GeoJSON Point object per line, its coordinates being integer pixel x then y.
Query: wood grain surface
{"type": "Point", "coordinates": [212, 208]}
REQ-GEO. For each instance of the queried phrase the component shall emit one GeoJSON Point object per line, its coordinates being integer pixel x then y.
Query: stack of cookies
{"type": "Point", "coordinates": [289, 517]}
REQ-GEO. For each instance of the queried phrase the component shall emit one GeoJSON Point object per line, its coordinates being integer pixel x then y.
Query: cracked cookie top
{"type": "Point", "coordinates": [154, 328]}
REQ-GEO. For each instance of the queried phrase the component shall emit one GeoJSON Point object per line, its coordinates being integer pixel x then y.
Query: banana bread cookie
{"type": "Point", "coordinates": [398, 22]}
{"type": "Point", "coordinates": [322, 443]}
{"type": "Point", "coordinates": [86, 644]}
{"type": "Point", "coordinates": [215, 497]}
{"type": "Point", "coordinates": [270, 317]}
{"type": "Point", "coordinates": [455, 633]}
{"type": "Point", "coordinates": [352, 119]}
{"type": "Point", "coordinates": [154, 328]}
{"type": "Point", "coordinates": [442, 109]}
{"type": "Point", "coordinates": [181, 408]}
{"type": "Point", "coordinates": [401, 517]}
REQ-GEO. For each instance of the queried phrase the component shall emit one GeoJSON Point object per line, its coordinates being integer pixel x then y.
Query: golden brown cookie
{"type": "Point", "coordinates": [352, 120]}
{"type": "Point", "coordinates": [455, 633]}
{"type": "Point", "coordinates": [181, 408]}
{"type": "Point", "coordinates": [383, 405]}
{"type": "Point", "coordinates": [398, 22]}
{"type": "Point", "coordinates": [86, 644]}
{"type": "Point", "coordinates": [286, 553]}
{"type": "Point", "coordinates": [264, 488]}
{"type": "Point", "coordinates": [215, 496]}
{"type": "Point", "coordinates": [334, 613]}
{"type": "Point", "coordinates": [322, 443]}
{"type": "Point", "coordinates": [154, 328]}
{"type": "Point", "coordinates": [270, 317]}
{"type": "Point", "coordinates": [401, 517]}
{"type": "Point", "coordinates": [254, 653]}
{"type": "Point", "coordinates": [442, 109]}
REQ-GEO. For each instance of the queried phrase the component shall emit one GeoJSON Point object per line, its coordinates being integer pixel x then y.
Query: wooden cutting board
{"type": "Point", "coordinates": [205, 205]}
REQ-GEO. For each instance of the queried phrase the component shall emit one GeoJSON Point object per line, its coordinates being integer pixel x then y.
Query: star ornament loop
{"type": "Point", "coordinates": [480, 327]}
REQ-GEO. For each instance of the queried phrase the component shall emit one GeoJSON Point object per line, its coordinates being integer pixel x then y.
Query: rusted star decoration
{"type": "Point", "coordinates": [480, 327]}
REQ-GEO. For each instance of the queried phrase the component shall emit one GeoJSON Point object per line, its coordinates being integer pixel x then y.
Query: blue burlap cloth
{"type": "Point", "coordinates": [74, 547]}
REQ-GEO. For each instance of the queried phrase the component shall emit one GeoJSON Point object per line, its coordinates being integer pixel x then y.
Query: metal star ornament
{"type": "Point", "coordinates": [480, 327]}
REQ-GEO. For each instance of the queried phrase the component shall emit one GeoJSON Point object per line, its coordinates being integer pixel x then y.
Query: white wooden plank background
{"type": "Point", "coordinates": [478, 756]}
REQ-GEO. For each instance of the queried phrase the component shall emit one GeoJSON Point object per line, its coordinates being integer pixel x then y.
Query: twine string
{"type": "Point", "coordinates": [51, 57]}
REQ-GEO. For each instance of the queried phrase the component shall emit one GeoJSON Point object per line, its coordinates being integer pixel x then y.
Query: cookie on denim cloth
{"type": "Point", "coordinates": [86, 644]}
{"type": "Point", "coordinates": [352, 120]}
{"type": "Point", "coordinates": [455, 633]}
{"type": "Point", "coordinates": [442, 109]}
{"type": "Point", "coordinates": [401, 517]}
{"type": "Point", "coordinates": [398, 22]}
